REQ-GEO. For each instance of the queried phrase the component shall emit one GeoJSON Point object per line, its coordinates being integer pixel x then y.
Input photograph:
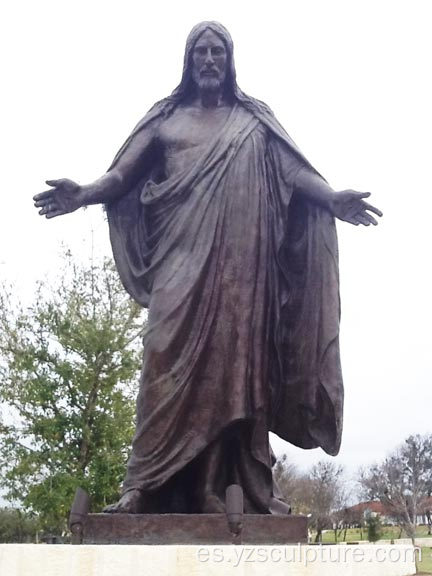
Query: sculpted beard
{"type": "Point", "coordinates": [209, 83]}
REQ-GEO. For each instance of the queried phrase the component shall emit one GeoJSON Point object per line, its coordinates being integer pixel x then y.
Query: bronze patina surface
{"type": "Point", "coordinates": [223, 229]}
{"type": "Point", "coordinates": [192, 529]}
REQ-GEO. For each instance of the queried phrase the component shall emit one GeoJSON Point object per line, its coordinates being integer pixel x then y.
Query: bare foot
{"type": "Point", "coordinates": [279, 507]}
{"type": "Point", "coordinates": [211, 504]}
{"type": "Point", "coordinates": [129, 503]}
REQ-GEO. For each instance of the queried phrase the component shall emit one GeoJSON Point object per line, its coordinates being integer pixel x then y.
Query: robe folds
{"type": "Point", "coordinates": [240, 276]}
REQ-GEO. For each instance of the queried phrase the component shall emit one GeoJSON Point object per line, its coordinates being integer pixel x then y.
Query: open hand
{"type": "Point", "coordinates": [348, 205]}
{"type": "Point", "coordinates": [63, 198]}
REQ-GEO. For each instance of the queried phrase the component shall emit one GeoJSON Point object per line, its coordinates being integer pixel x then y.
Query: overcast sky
{"type": "Point", "coordinates": [351, 83]}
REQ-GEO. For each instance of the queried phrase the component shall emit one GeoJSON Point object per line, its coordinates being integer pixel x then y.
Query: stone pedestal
{"type": "Point", "coordinates": [208, 529]}
{"type": "Point", "coordinates": [300, 560]}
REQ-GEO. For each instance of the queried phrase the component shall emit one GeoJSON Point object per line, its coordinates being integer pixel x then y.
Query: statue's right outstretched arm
{"type": "Point", "coordinates": [66, 196]}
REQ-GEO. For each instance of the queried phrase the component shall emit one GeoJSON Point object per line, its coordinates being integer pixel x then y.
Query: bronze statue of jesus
{"type": "Point", "coordinates": [221, 227]}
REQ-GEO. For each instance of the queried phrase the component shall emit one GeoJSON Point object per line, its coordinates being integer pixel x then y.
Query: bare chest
{"type": "Point", "coordinates": [183, 135]}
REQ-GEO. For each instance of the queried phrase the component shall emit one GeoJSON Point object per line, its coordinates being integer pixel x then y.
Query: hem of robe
{"type": "Point", "coordinates": [260, 451]}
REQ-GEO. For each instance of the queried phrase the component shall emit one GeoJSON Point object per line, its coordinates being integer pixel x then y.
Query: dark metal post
{"type": "Point", "coordinates": [234, 511]}
{"type": "Point", "coordinates": [79, 511]}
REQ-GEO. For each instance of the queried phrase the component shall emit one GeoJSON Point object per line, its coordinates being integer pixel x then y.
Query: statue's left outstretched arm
{"type": "Point", "coordinates": [347, 205]}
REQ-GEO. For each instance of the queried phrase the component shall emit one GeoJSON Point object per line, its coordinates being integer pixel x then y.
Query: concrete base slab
{"type": "Point", "coordinates": [300, 560]}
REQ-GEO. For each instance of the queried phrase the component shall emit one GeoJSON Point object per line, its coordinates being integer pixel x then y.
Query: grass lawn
{"type": "Point", "coordinates": [389, 533]}
{"type": "Point", "coordinates": [357, 535]}
{"type": "Point", "coordinates": [425, 566]}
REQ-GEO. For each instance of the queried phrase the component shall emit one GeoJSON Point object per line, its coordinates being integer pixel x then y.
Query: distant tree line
{"type": "Point", "coordinates": [402, 484]}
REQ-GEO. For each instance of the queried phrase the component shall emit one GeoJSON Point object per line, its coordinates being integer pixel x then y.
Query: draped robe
{"type": "Point", "coordinates": [240, 276]}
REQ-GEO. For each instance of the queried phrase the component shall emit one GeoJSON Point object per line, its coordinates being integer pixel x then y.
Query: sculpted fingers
{"type": "Point", "coordinates": [65, 184]}
{"type": "Point", "coordinates": [372, 209]}
{"type": "Point", "coordinates": [47, 197]}
{"type": "Point", "coordinates": [370, 218]}
{"type": "Point", "coordinates": [42, 198]}
{"type": "Point", "coordinates": [49, 204]}
{"type": "Point", "coordinates": [55, 213]}
{"type": "Point", "coordinates": [362, 194]}
{"type": "Point", "coordinates": [47, 208]}
{"type": "Point", "coordinates": [41, 203]}
{"type": "Point", "coordinates": [51, 210]}
{"type": "Point", "coordinates": [361, 218]}
{"type": "Point", "coordinates": [62, 198]}
{"type": "Point", "coordinates": [61, 182]}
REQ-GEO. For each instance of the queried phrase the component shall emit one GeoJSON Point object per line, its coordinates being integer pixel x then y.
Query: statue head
{"type": "Point", "coordinates": [208, 61]}
{"type": "Point", "coordinates": [209, 57]}
{"type": "Point", "coordinates": [188, 85]}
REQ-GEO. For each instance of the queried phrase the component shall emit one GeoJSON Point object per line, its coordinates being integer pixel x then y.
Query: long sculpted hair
{"type": "Point", "coordinates": [186, 89]}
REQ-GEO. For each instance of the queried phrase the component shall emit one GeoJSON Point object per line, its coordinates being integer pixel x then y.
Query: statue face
{"type": "Point", "coordinates": [209, 58]}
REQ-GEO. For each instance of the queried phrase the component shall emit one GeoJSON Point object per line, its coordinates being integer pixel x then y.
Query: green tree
{"type": "Point", "coordinates": [17, 526]}
{"type": "Point", "coordinates": [68, 373]}
{"type": "Point", "coordinates": [374, 527]}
